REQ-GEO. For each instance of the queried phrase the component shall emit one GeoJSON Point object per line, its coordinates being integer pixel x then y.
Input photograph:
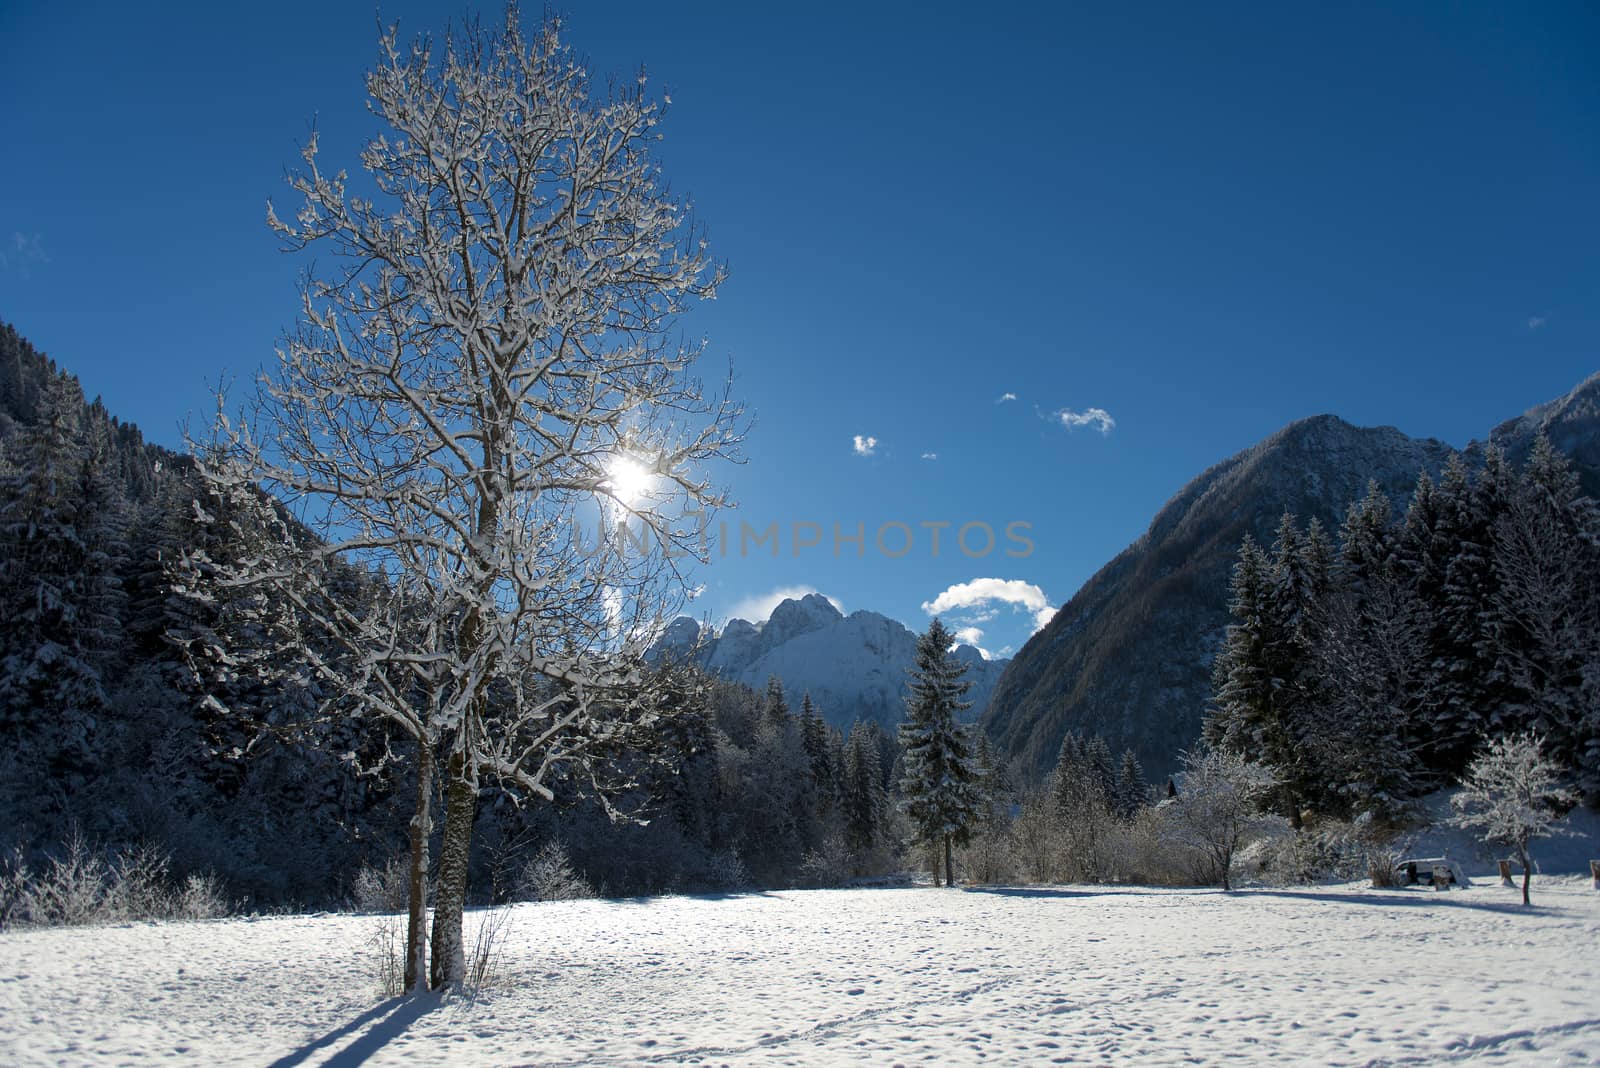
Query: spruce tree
{"type": "Point", "coordinates": [940, 780]}
{"type": "Point", "coordinates": [59, 600]}
{"type": "Point", "coordinates": [1131, 787]}
{"type": "Point", "coordinates": [861, 795]}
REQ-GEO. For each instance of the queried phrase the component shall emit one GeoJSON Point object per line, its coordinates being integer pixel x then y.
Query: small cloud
{"type": "Point", "coordinates": [1008, 396]}
{"type": "Point", "coordinates": [984, 593]}
{"type": "Point", "coordinates": [974, 637]}
{"type": "Point", "coordinates": [1098, 418]}
{"type": "Point", "coordinates": [865, 446]}
{"type": "Point", "coordinates": [757, 608]}
{"type": "Point", "coordinates": [1002, 652]}
{"type": "Point", "coordinates": [1537, 322]}
{"type": "Point", "coordinates": [21, 252]}
{"type": "Point", "coordinates": [930, 456]}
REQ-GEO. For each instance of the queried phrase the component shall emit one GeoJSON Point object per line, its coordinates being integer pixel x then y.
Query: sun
{"type": "Point", "coordinates": [627, 480]}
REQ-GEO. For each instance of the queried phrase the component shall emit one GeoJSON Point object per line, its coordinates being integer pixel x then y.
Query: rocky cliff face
{"type": "Point", "coordinates": [1129, 657]}
{"type": "Point", "coordinates": [854, 666]}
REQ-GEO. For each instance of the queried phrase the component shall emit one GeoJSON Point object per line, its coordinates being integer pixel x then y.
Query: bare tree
{"type": "Point", "coordinates": [484, 370]}
{"type": "Point", "coordinates": [1512, 794]}
{"type": "Point", "coordinates": [1218, 807]}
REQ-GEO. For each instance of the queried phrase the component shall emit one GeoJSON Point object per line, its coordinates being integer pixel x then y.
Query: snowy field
{"type": "Point", "coordinates": [1340, 975]}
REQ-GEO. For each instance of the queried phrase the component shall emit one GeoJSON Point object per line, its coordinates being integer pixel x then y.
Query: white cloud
{"type": "Point", "coordinates": [757, 608]}
{"type": "Point", "coordinates": [21, 252]}
{"type": "Point", "coordinates": [1007, 396]}
{"type": "Point", "coordinates": [865, 446]}
{"type": "Point", "coordinates": [974, 637]}
{"type": "Point", "coordinates": [1098, 418]}
{"type": "Point", "coordinates": [930, 456]}
{"type": "Point", "coordinates": [1537, 322]}
{"type": "Point", "coordinates": [983, 593]}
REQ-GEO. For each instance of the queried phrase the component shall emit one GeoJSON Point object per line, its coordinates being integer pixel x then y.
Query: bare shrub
{"type": "Point", "coordinates": [387, 946]}
{"type": "Point", "coordinates": [486, 956]}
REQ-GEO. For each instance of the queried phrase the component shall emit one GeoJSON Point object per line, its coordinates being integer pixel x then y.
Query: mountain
{"type": "Point", "coordinates": [853, 666]}
{"type": "Point", "coordinates": [1572, 423]}
{"type": "Point", "coordinates": [1129, 656]}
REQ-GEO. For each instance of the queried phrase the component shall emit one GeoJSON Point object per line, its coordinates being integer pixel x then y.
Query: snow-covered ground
{"type": "Point", "coordinates": [1330, 975]}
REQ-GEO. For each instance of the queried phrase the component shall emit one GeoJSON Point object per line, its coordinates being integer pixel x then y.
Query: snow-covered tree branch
{"type": "Point", "coordinates": [484, 368]}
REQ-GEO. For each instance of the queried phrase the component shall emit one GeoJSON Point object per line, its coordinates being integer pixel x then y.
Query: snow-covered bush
{"type": "Point", "coordinates": [827, 866]}
{"type": "Point", "coordinates": [726, 871]}
{"type": "Point", "coordinates": [988, 858]}
{"type": "Point", "coordinates": [385, 889]}
{"type": "Point", "coordinates": [79, 886]}
{"type": "Point", "coordinates": [201, 897]}
{"type": "Point", "coordinates": [550, 876]}
{"type": "Point", "coordinates": [1334, 850]}
{"type": "Point", "coordinates": [1153, 856]}
{"type": "Point", "coordinates": [1218, 808]}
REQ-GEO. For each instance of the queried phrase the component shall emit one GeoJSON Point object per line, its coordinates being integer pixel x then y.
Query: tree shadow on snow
{"type": "Point", "coordinates": [1053, 891]}
{"type": "Point", "coordinates": [710, 895]}
{"type": "Point", "coordinates": [1404, 898]}
{"type": "Point", "coordinates": [388, 1019]}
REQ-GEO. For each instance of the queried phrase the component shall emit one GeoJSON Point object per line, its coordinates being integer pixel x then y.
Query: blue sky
{"type": "Point", "coordinates": [1203, 220]}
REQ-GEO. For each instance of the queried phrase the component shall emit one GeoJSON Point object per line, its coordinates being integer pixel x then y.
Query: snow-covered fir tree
{"type": "Point", "coordinates": [939, 785]}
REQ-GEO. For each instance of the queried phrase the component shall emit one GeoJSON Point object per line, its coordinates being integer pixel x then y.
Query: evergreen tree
{"type": "Point", "coordinates": [1545, 610]}
{"type": "Point", "coordinates": [777, 705]}
{"type": "Point", "coordinates": [60, 599]}
{"type": "Point", "coordinates": [862, 801]}
{"type": "Point", "coordinates": [1366, 542]}
{"type": "Point", "coordinates": [1102, 769]}
{"type": "Point", "coordinates": [822, 746]}
{"type": "Point", "coordinates": [939, 784]}
{"type": "Point", "coordinates": [1131, 787]}
{"type": "Point", "coordinates": [1242, 706]}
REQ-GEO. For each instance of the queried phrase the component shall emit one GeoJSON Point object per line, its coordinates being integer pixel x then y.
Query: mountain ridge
{"type": "Point", "coordinates": [1128, 656]}
{"type": "Point", "coordinates": [854, 666]}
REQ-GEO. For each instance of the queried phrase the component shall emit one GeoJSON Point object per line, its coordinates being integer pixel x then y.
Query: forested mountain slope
{"type": "Point", "coordinates": [1129, 656]}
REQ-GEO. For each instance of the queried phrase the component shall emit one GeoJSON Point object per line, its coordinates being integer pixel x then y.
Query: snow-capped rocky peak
{"type": "Point", "coordinates": [854, 667]}
{"type": "Point", "coordinates": [793, 618]}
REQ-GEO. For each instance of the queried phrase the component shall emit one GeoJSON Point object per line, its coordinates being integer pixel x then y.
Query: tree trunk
{"type": "Point", "coordinates": [421, 829]}
{"type": "Point", "coordinates": [449, 965]}
{"type": "Point", "coordinates": [949, 870]}
{"type": "Point", "coordinates": [1527, 875]}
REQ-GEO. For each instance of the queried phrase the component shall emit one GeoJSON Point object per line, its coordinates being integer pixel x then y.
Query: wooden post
{"type": "Point", "coordinates": [1594, 869]}
{"type": "Point", "coordinates": [1441, 877]}
{"type": "Point", "coordinates": [1505, 873]}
